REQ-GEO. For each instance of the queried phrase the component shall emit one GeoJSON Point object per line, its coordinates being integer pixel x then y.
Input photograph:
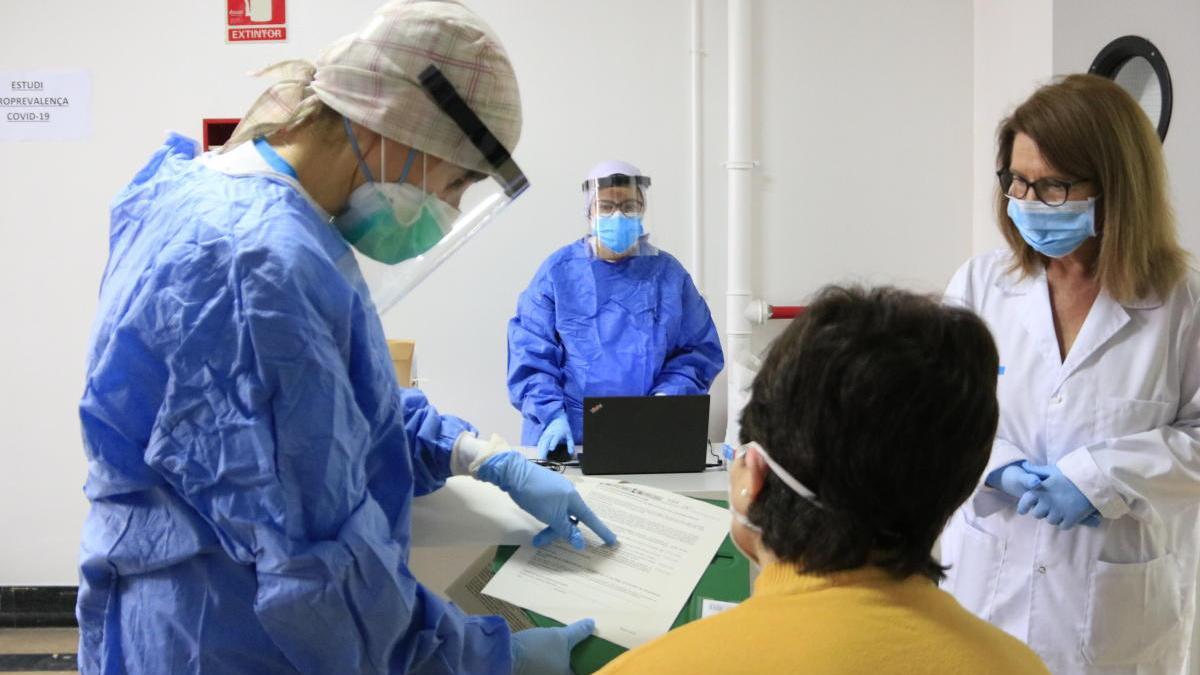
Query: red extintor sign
{"type": "Point", "coordinates": [255, 21]}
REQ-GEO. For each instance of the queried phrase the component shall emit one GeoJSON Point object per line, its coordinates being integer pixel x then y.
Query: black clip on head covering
{"type": "Point", "coordinates": [510, 176]}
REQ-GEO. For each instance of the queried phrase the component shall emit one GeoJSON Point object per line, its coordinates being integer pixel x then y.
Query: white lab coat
{"type": "Point", "coordinates": [1121, 419]}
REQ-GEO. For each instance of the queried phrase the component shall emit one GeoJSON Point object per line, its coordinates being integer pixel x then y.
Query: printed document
{"type": "Point", "coordinates": [633, 590]}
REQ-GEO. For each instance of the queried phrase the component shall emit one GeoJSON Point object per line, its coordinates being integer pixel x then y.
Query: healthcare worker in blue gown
{"type": "Point", "coordinates": [251, 460]}
{"type": "Point", "coordinates": [606, 315]}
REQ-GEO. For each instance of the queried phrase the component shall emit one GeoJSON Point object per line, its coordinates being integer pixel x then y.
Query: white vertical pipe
{"type": "Point", "coordinates": [739, 166]}
{"type": "Point", "coordinates": [697, 158]}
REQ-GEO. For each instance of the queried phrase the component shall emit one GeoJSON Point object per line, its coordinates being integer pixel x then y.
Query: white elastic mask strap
{"type": "Point", "coordinates": [787, 478]}
{"type": "Point", "coordinates": [743, 520]}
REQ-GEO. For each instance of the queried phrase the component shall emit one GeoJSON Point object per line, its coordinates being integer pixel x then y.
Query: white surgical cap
{"type": "Point", "coordinates": [371, 77]}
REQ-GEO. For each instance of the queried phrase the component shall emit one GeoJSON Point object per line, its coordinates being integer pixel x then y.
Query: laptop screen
{"type": "Point", "coordinates": [644, 434]}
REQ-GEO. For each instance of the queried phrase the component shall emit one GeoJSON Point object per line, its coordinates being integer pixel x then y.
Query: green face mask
{"type": "Point", "coordinates": [374, 221]}
{"type": "Point", "coordinates": [391, 222]}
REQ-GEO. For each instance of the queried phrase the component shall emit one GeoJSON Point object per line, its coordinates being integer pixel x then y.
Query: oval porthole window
{"type": "Point", "coordinates": [1139, 67]}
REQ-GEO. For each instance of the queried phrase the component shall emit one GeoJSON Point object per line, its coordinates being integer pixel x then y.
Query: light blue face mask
{"type": "Point", "coordinates": [1054, 231]}
{"type": "Point", "coordinates": [618, 232]}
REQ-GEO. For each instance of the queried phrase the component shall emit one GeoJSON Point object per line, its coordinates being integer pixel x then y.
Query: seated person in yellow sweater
{"type": "Point", "coordinates": [870, 422]}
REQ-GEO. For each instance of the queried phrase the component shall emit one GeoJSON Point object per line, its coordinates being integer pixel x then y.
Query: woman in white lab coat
{"type": "Point", "coordinates": [1082, 541]}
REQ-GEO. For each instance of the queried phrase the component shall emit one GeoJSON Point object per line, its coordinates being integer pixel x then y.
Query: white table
{"type": "Point", "coordinates": [707, 484]}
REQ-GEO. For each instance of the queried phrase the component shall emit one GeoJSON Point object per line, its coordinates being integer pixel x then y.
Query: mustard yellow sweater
{"type": "Point", "coordinates": [860, 621]}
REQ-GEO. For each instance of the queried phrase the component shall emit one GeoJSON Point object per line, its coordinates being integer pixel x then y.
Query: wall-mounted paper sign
{"type": "Point", "coordinates": [255, 20]}
{"type": "Point", "coordinates": [45, 105]}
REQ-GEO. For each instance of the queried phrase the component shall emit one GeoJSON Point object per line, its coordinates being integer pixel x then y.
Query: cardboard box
{"type": "Point", "coordinates": [402, 360]}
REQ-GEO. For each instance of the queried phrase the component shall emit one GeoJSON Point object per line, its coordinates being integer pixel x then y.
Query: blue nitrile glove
{"type": "Point", "coordinates": [548, 650]}
{"type": "Point", "coordinates": [545, 495]}
{"type": "Point", "coordinates": [1013, 480]}
{"type": "Point", "coordinates": [555, 434]}
{"type": "Point", "coordinates": [1056, 499]}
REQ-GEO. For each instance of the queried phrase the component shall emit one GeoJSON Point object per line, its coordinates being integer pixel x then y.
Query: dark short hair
{"type": "Point", "coordinates": [883, 403]}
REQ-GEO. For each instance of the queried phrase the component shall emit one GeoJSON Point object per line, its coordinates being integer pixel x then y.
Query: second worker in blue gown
{"type": "Point", "coordinates": [607, 315]}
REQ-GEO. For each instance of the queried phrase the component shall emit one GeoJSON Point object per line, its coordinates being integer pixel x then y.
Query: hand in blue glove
{"type": "Point", "coordinates": [557, 432]}
{"type": "Point", "coordinates": [1056, 499]}
{"type": "Point", "coordinates": [548, 650]}
{"type": "Point", "coordinates": [1013, 480]}
{"type": "Point", "coordinates": [545, 495]}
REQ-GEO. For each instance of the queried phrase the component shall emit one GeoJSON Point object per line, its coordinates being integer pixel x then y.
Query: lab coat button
{"type": "Point", "coordinates": [1041, 569]}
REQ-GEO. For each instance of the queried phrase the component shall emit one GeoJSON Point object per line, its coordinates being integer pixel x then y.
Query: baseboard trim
{"type": "Point", "coordinates": [31, 606]}
{"type": "Point", "coordinates": [38, 663]}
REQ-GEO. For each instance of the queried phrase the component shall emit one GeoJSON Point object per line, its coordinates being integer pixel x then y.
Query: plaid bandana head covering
{"type": "Point", "coordinates": [370, 77]}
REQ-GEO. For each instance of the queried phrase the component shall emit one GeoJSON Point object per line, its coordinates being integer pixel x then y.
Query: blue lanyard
{"type": "Point", "coordinates": [271, 157]}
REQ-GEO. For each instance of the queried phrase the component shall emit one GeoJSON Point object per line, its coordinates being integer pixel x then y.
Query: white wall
{"type": "Point", "coordinates": [856, 102]}
{"type": "Point", "coordinates": [1013, 56]}
{"type": "Point", "coordinates": [850, 96]}
{"type": "Point", "coordinates": [1083, 27]}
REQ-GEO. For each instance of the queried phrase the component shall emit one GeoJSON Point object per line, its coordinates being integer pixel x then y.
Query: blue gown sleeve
{"type": "Point", "coordinates": [430, 437]}
{"type": "Point", "coordinates": [262, 432]}
{"type": "Point", "coordinates": [535, 354]}
{"type": "Point", "coordinates": [696, 358]}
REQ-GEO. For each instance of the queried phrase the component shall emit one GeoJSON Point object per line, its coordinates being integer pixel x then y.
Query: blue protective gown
{"type": "Point", "coordinates": [588, 327]}
{"type": "Point", "coordinates": [252, 461]}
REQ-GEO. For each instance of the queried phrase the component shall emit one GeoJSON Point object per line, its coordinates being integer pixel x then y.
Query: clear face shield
{"type": "Point", "coordinates": [399, 233]}
{"type": "Point", "coordinates": [617, 208]}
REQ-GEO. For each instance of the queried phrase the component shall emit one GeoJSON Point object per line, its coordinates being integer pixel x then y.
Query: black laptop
{"type": "Point", "coordinates": [644, 434]}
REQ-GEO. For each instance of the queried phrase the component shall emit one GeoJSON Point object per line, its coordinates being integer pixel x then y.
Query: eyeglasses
{"type": "Point", "coordinates": [631, 208]}
{"type": "Point", "coordinates": [1049, 191]}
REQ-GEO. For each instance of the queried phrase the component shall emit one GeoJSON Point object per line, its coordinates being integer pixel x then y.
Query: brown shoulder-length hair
{"type": "Point", "coordinates": [1088, 127]}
